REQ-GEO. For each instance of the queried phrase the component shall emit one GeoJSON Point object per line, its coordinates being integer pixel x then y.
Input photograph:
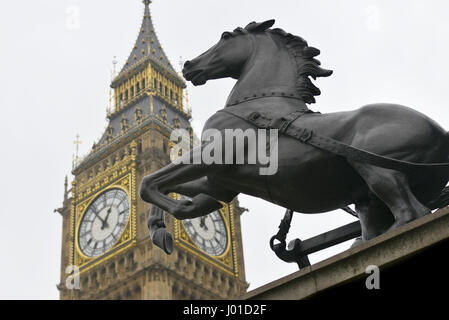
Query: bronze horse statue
{"type": "Point", "coordinates": [273, 69]}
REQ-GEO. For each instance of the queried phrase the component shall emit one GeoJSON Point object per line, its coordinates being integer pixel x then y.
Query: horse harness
{"type": "Point", "coordinates": [286, 125]}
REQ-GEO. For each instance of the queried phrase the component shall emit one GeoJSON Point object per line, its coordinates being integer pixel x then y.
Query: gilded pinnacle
{"type": "Point", "coordinates": [146, 2]}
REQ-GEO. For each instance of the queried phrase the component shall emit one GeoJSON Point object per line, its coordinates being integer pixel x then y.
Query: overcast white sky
{"type": "Point", "coordinates": [55, 72]}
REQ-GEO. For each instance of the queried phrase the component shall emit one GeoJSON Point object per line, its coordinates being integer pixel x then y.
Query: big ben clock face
{"type": "Point", "coordinates": [209, 232]}
{"type": "Point", "coordinates": [103, 222]}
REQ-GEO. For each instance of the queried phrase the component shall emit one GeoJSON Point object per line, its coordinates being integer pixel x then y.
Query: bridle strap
{"type": "Point", "coordinates": [264, 94]}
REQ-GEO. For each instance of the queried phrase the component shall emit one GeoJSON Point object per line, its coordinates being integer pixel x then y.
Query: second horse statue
{"type": "Point", "coordinates": [388, 160]}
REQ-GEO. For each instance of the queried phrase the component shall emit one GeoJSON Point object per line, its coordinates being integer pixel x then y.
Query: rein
{"type": "Point", "coordinates": [285, 124]}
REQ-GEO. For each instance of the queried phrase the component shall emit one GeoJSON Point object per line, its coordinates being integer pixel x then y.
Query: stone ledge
{"type": "Point", "coordinates": [384, 251]}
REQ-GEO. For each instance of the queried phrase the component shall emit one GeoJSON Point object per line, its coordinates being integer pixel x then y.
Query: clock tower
{"type": "Point", "coordinates": [106, 249]}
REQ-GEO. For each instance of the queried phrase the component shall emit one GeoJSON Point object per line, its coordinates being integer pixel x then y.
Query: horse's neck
{"type": "Point", "coordinates": [269, 70]}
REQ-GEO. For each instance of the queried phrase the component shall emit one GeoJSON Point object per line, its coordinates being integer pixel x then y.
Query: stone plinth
{"type": "Point", "coordinates": [409, 257]}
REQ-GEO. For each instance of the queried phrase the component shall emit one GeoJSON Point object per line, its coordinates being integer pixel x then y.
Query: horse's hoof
{"type": "Point", "coordinates": [357, 241]}
{"type": "Point", "coordinates": [164, 240]}
{"type": "Point", "coordinates": [400, 223]}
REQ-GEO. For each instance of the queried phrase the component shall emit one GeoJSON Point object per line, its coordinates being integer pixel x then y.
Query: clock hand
{"type": "Point", "coordinates": [112, 202]}
{"type": "Point", "coordinates": [203, 223]}
{"type": "Point", "coordinates": [97, 215]}
{"type": "Point", "coordinates": [105, 222]}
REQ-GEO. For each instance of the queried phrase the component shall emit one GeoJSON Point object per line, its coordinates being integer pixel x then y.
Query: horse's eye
{"type": "Point", "coordinates": [225, 35]}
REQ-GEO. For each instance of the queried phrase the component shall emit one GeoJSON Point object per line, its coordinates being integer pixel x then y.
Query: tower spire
{"type": "Point", "coordinates": [147, 47]}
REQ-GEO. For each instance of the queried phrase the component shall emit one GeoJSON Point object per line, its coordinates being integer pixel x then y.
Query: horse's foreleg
{"type": "Point", "coordinates": [375, 217]}
{"type": "Point", "coordinates": [153, 186]}
{"type": "Point", "coordinates": [153, 190]}
{"type": "Point", "coordinates": [149, 187]}
{"type": "Point", "coordinates": [203, 185]}
{"type": "Point", "coordinates": [156, 224]}
{"type": "Point", "coordinates": [158, 232]}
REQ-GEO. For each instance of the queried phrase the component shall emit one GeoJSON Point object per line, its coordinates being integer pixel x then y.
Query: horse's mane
{"type": "Point", "coordinates": [304, 57]}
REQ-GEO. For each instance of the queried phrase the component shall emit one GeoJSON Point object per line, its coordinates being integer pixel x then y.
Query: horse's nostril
{"type": "Point", "coordinates": [187, 63]}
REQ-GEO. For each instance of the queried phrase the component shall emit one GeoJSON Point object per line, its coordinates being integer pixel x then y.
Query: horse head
{"type": "Point", "coordinates": [226, 58]}
{"type": "Point", "coordinates": [264, 57]}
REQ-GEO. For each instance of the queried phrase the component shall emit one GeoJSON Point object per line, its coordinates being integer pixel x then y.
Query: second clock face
{"type": "Point", "coordinates": [103, 222]}
{"type": "Point", "coordinates": [209, 233]}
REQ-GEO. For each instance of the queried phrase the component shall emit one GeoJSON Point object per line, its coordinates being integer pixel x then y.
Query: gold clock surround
{"type": "Point", "coordinates": [227, 261]}
{"type": "Point", "coordinates": [121, 175]}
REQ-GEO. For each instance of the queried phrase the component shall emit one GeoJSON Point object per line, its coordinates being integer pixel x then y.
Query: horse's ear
{"type": "Point", "coordinates": [260, 26]}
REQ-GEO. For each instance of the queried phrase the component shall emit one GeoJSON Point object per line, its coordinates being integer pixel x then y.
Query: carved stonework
{"type": "Point", "coordinates": [163, 113]}
{"type": "Point", "coordinates": [138, 115]}
{"type": "Point", "coordinates": [109, 134]}
{"type": "Point", "coordinates": [124, 124]}
{"type": "Point", "coordinates": [176, 122]}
